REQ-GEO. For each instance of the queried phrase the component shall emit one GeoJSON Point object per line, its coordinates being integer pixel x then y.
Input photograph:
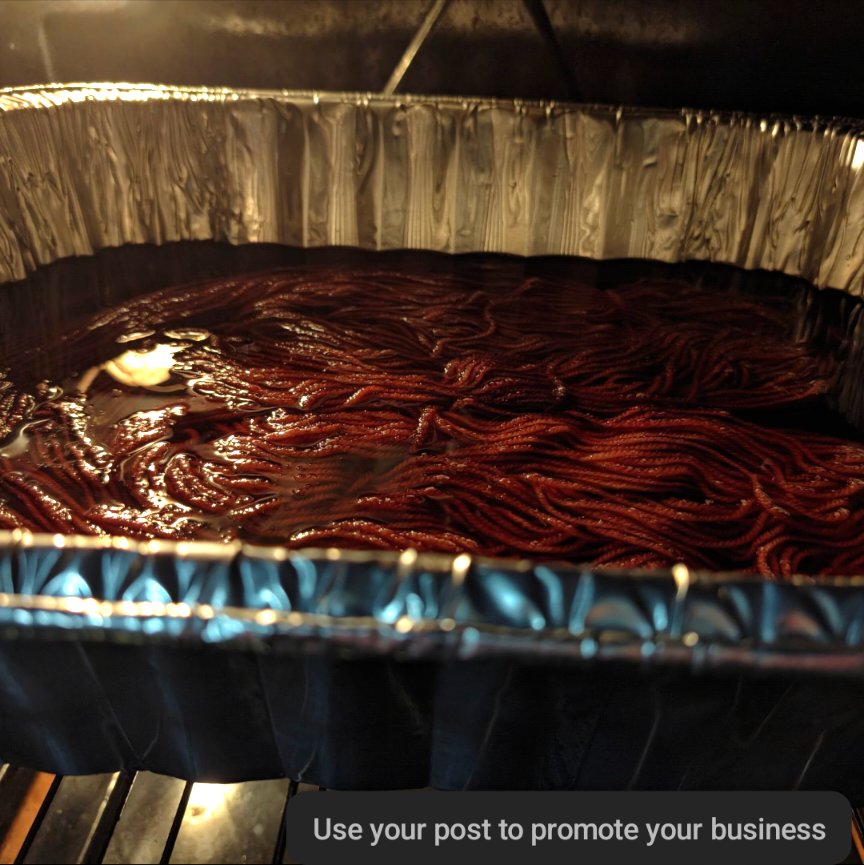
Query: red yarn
{"type": "Point", "coordinates": [466, 412]}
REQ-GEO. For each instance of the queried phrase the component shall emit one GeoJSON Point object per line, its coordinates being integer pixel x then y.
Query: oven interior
{"type": "Point", "coordinates": [628, 52]}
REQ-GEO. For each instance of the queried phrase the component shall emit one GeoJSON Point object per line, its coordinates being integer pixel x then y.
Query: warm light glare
{"type": "Point", "coordinates": [461, 565]}
{"type": "Point", "coordinates": [206, 800]}
{"type": "Point", "coordinates": [858, 155]}
{"type": "Point", "coordinates": [143, 368]}
{"type": "Point", "coordinates": [681, 575]}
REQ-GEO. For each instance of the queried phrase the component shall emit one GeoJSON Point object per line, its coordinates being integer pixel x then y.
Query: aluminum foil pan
{"type": "Point", "coordinates": [421, 606]}
{"type": "Point", "coordinates": [91, 166]}
{"type": "Point", "coordinates": [94, 166]}
{"type": "Point", "coordinates": [115, 653]}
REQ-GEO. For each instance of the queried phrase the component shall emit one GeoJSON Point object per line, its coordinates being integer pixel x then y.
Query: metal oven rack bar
{"type": "Point", "coordinates": [146, 818]}
{"type": "Point", "coordinates": [141, 817]}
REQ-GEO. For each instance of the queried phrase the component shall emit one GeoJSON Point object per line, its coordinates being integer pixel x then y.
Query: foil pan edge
{"type": "Point", "coordinates": [90, 166]}
{"type": "Point", "coordinates": [421, 606]}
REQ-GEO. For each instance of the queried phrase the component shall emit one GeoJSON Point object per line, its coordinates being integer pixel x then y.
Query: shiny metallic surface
{"type": "Point", "coordinates": [97, 166]}
{"type": "Point", "coordinates": [15, 815]}
{"type": "Point", "coordinates": [72, 818]}
{"type": "Point", "coordinates": [145, 821]}
{"type": "Point", "coordinates": [163, 819]}
{"type": "Point", "coordinates": [421, 606]}
{"type": "Point", "coordinates": [231, 823]}
{"type": "Point", "coordinates": [430, 19]}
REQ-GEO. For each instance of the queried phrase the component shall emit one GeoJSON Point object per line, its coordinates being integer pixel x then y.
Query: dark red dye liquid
{"type": "Point", "coordinates": [477, 410]}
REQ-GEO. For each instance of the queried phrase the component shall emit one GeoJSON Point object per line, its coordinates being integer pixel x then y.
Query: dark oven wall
{"type": "Point", "coordinates": [756, 55]}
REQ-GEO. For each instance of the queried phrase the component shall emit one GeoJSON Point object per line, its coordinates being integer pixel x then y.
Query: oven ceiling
{"type": "Point", "coordinates": [756, 55]}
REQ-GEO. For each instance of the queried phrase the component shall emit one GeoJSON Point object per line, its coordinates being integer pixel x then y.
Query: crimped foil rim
{"type": "Point", "coordinates": [703, 620]}
{"type": "Point", "coordinates": [267, 630]}
{"type": "Point", "coordinates": [405, 561]}
{"type": "Point", "coordinates": [57, 94]}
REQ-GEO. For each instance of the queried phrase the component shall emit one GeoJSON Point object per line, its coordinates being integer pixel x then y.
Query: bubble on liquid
{"type": "Point", "coordinates": [48, 391]}
{"type": "Point", "coordinates": [135, 336]}
{"type": "Point", "coordinates": [193, 333]}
